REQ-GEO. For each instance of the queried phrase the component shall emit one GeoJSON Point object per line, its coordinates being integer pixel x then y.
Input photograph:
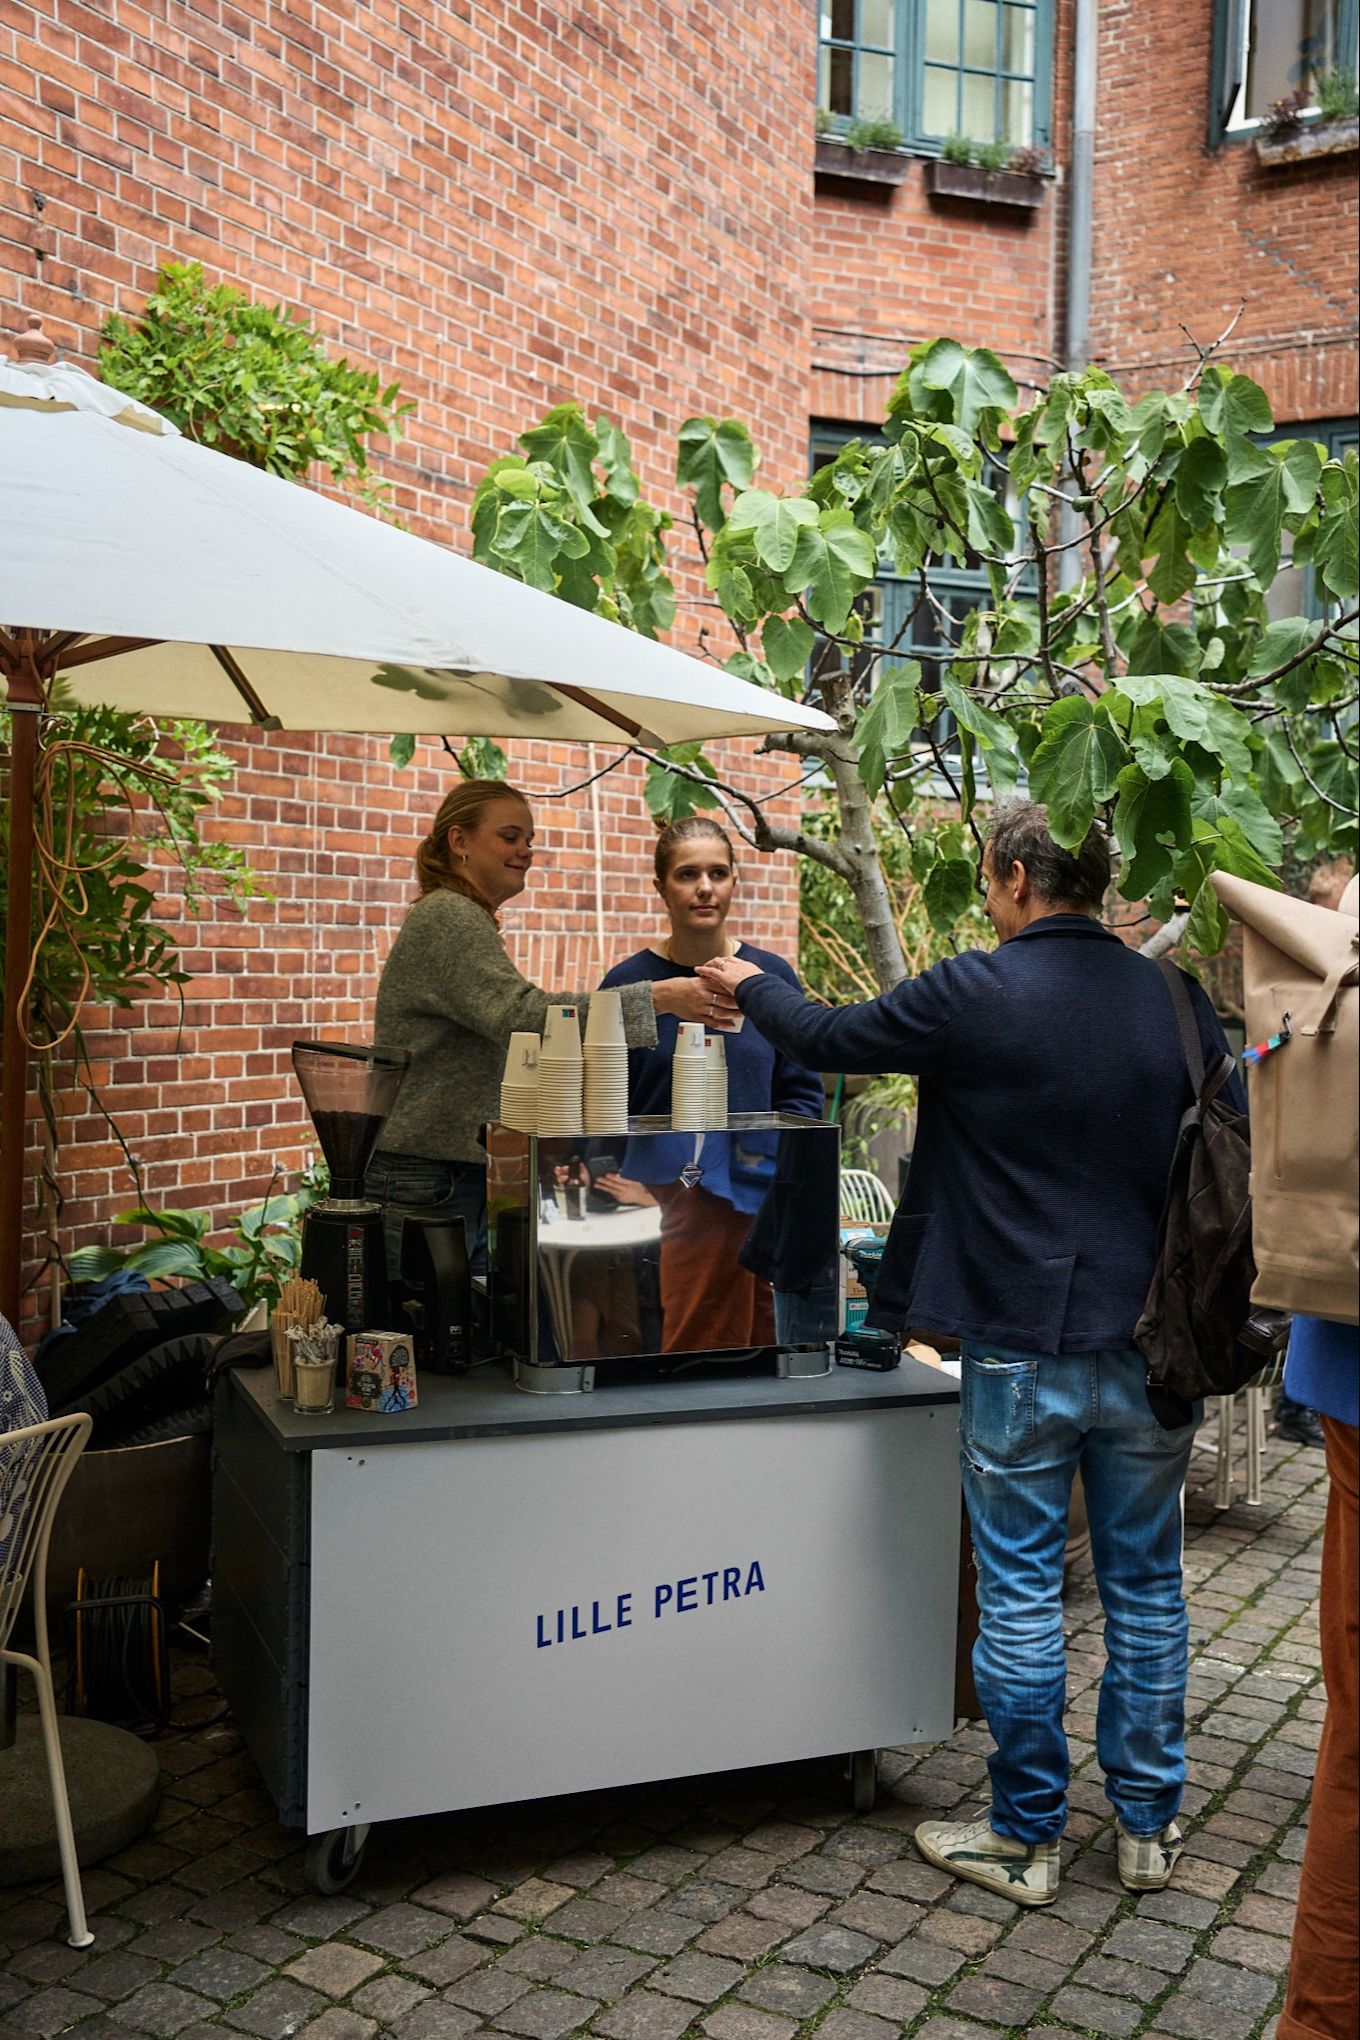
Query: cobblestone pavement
{"type": "Point", "coordinates": [751, 1906]}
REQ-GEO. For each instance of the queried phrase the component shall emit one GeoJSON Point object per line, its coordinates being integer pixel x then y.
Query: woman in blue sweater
{"type": "Point", "coordinates": [703, 1228]}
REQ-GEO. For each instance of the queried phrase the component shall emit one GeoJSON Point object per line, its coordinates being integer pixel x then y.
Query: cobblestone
{"type": "Point", "coordinates": [746, 1907]}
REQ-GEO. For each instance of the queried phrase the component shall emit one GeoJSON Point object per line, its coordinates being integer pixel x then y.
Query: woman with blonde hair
{"type": "Point", "coordinates": [450, 996]}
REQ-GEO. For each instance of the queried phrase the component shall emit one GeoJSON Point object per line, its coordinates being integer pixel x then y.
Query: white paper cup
{"type": "Point", "coordinates": [690, 1039]}
{"type": "Point", "coordinates": [562, 1033]}
{"type": "Point", "coordinates": [604, 1020]}
{"type": "Point", "coordinates": [521, 1058]}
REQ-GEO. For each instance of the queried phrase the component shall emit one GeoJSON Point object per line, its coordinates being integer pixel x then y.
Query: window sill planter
{"type": "Point", "coordinates": [844, 165]}
{"type": "Point", "coordinates": [964, 181]}
{"type": "Point", "coordinates": [1324, 138]}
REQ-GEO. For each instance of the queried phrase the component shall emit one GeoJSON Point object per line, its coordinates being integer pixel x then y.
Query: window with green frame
{"type": "Point", "coordinates": [980, 68]}
{"type": "Point", "coordinates": [1267, 50]}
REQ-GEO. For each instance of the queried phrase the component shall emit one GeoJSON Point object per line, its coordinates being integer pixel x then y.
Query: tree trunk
{"type": "Point", "coordinates": [865, 875]}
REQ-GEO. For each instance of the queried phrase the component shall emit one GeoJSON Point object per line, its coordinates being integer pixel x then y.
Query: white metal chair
{"type": "Point", "coordinates": [35, 1465]}
{"type": "Point", "coordinates": [1257, 1393]}
{"type": "Point", "coordinates": [864, 1197]}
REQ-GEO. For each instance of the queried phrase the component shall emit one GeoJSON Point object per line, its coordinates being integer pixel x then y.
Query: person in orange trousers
{"type": "Point", "coordinates": [1322, 2000]}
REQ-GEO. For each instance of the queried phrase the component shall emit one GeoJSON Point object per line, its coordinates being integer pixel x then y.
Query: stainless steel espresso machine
{"type": "Point", "coordinates": [575, 1282]}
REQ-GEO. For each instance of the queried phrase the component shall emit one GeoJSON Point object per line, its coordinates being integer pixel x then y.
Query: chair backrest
{"type": "Point", "coordinates": [864, 1197]}
{"type": "Point", "coordinates": [35, 1465]}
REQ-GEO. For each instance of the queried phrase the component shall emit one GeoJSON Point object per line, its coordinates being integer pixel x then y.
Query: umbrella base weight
{"type": "Point", "coordinates": [112, 1781]}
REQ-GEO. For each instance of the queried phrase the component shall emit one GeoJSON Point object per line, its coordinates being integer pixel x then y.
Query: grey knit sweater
{"type": "Point", "coordinates": [450, 996]}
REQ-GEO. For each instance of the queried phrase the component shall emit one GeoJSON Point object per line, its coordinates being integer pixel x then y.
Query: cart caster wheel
{"type": "Point", "coordinates": [333, 1861]}
{"type": "Point", "coordinates": [863, 1780]}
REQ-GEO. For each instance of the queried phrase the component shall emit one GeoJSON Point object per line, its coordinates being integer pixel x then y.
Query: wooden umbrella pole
{"type": "Point", "coordinates": [25, 704]}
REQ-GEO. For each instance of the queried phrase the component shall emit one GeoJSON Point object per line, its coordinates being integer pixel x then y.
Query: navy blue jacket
{"type": "Point", "coordinates": [1052, 1085]}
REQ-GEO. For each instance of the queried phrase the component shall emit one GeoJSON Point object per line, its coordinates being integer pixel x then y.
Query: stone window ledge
{"type": "Point", "coordinates": [1326, 138]}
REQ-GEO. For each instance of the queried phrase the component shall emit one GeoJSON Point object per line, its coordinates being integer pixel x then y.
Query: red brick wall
{"type": "Point", "coordinates": [1185, 232]}
{"type": "Point", "coordinates": [503, 207]}
{"type": "Point", "coordinates": [890, 269]}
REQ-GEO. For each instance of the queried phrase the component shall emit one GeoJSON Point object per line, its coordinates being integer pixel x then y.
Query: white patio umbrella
{"type": "Point", "coordinates": [151, 574]}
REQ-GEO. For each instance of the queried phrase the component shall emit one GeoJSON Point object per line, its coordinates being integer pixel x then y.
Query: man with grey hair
{"type": "Point", "coordinates": [1052, 1082]}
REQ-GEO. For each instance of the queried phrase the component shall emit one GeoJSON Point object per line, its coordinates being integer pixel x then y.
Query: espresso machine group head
{"type": "Point", "coordinates": [349, 1091]}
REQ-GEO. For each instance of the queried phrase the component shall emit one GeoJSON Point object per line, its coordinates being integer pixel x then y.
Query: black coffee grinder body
{"type": "Point", "coordinates": [349, 1093]}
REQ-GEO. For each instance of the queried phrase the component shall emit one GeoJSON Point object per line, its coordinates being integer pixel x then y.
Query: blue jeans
{"type": "Point", "coordinates": [402, 1183]}
{"type": "Point", "coordinates": [1029, 1420]}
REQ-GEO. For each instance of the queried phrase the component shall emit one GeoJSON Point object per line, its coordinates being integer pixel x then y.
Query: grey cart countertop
{"type": "Point", "coordinates": [486, 1404]}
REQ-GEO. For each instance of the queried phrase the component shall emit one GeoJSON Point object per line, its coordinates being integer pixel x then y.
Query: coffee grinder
{"type": "Point", "coordinates": [349, 1093]}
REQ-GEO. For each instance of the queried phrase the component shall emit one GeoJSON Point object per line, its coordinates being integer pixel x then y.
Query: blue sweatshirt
{"type": "Point", "coordinates": [738, 1166]}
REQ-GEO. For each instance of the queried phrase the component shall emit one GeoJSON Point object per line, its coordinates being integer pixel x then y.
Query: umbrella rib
{"type": "Point", "coordinates": [584, 699]}
{"type": "Point", "coordinates": [84, 653]}
{"type": "Point", "coordinates": [259, 714]}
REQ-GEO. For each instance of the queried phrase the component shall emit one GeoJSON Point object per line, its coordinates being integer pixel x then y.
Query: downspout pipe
{"type": "Point", "coordinates": [1080, 232]}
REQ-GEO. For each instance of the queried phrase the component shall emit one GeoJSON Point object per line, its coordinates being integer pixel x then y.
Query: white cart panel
{"type": "Point", "coordinates": [726, 1595]}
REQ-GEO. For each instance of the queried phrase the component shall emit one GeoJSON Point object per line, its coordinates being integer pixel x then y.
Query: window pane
{"type": "Point", "coordinates": [841, 93]}
{"type": "Point", "coordinates": [824, 20]}
{"type": "Point", "coordinates": [875, 98]}
{"type": "Point", "coordinates": [1017, 113]}
{"type": "Point", "coordinates": [824, 77]}
{"type": "Point", "coordinates": [843, 20]}
{"type": "Point", "coordinates": [1017, 41]}
{"type": "Point", "coordinates": [942, 30]}
{"type": "Point", "coordinates": [1291, 42]}
{"type": "Point", "coordinates": [939, 107]}
{"type": "Point", "coordinates": [979, 108]}
{"type": "Point", "coordinates": [876, 22]}
{"type": "Point", "coordinates": [979, 33]}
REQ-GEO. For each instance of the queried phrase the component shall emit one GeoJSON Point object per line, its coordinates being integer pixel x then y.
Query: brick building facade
{"type": "Point", "coordinates": [510, 206]}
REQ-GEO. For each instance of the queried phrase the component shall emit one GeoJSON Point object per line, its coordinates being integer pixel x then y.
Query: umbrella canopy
{"type": "Point", "coordinates": [150, 574]}
{"type": "Point", "coordinates": [204, 587]}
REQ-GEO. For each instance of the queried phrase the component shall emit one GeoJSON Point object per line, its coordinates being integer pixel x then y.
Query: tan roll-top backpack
{"type": "Point", "coordinates": [1300, 966]}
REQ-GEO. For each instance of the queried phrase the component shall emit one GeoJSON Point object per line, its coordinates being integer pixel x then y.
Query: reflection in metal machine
{"type": "Point", "coordinates": [637, 1246]}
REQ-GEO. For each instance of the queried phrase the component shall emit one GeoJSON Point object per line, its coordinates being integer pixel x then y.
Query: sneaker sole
{"type": "Point", "coordinates": [1014, 1892]}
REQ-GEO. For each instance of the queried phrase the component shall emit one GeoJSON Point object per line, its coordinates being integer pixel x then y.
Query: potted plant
{"type": "Point", "coordinates": [866, 152]}
{"type": "Point", "coordinates": [987, 173]}
{"type": "Point", "coordinates": [1321, 120]}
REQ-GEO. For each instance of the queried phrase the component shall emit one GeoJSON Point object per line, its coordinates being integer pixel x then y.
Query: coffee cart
{"type": "Point", "coordinates": [688, 1563]}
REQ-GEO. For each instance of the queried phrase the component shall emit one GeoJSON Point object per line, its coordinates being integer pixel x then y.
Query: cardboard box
{"type": "Point", "coordinates": [380, 1372]}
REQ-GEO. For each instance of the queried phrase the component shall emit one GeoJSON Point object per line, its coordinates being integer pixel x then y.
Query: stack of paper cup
{"type": "Point", "coordinates": [689, 1079]}
{"type": "Point", "coordinates": [606, 1065]}
{"type": "Point", "coordinates": [715, 1086]}
{"type": "Point", "coordinates": [560, 1072]}
{"type": "Point", "coordinates": [519, 1085]}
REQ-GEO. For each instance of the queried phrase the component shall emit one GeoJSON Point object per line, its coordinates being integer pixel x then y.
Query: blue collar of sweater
{"type": "Point", "coordinates": [1064, 924]}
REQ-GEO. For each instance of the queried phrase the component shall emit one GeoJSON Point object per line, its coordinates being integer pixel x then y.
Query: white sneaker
{"type": "Point", "coordinates": [1147, 1861]}
{"type": "Point", "coordinates": [1027, 1875]}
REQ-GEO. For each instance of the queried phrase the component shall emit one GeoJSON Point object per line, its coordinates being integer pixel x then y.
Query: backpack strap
{"type": "Point", "coordinates": [1191, 1048]}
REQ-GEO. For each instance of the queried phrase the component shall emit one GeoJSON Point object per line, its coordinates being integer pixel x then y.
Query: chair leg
{"type": "Point", "coordinates": [79, 1935]}
{"type": "Point", "coordinates": [1223, 1473]}
{"type": "Point", "coordinates": [1256, 1437]}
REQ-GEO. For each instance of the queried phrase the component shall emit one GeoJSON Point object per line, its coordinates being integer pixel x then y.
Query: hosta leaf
{"type": "Point", "coordinates": [1076, 766]}
{"type": "Point", "coordinates": [170, 1257]}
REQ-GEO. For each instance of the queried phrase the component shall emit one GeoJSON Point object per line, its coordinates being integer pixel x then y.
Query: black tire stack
{"type": "Point", "coordinates": [141, 1365]}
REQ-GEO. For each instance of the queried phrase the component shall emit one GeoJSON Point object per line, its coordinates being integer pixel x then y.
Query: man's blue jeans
{"type": "Point", "coordinates": [1029, 1420]}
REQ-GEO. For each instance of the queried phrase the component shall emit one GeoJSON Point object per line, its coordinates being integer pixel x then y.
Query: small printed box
{"type": "Point", "coordinates": [380, 1372]}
